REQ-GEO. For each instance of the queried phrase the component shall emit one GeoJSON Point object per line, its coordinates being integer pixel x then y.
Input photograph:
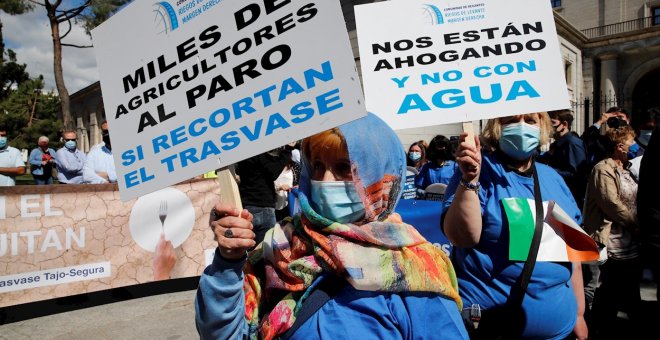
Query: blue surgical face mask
{"type": "Point", "coordinates": [3, 142]}
{"type": "Point", "coordinates": [337, 201]}
{"type": "Point", "coordinates": [415, 156]}
{"type": "Point", "coordinates": [520, 140]}
{"type": "Point", "coordinates": [71, 145]}
{"type": "Point", "coordinates": [632, 151]}
{"type": "Point", "coordinates": [645, 137]}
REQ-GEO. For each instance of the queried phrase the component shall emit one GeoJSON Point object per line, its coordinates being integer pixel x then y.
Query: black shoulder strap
{"type": "Point", "coordinates": [326, 290]}
{"type": "Point", "coordinates": [518, 291]}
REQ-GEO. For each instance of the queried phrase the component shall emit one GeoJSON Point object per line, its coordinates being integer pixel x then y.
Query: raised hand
{"type": "Point", "coordinates": [233, 230]}
{"type": "Point", "coordinates": [468, 157]}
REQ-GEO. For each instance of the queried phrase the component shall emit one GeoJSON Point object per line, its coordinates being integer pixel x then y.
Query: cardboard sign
{"type": "Point", "coordinates": [194, 85]}
{"type": "Point", "coordinates": [63, 240]}
{"type": "Point", "coordinates": [435, 62]}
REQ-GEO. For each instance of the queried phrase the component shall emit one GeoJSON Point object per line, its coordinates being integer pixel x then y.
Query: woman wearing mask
{"type": "Point", "coordinates": [417, 154]}
{"type": "Point", "coordinates": [552, 306]}
{"type": "Point", "coordinates": [610, 216]}
{"type": "Point", "coordinates": [441, 166]}
{"type": "Point", "coordinates": [382, 279]}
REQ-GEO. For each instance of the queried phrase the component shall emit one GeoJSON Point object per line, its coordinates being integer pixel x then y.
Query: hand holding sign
{"type": "Point", "coordinates": [233, 230]}
{"type": "Point", "coordinates": [468, 157]}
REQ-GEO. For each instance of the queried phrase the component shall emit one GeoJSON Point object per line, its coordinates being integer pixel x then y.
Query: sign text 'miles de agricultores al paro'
{"type": "Point", "coordinates": [196, 85]}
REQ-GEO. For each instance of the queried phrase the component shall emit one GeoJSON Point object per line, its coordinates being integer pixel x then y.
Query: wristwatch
{"type": "Point", "coordinates": [471, 186]}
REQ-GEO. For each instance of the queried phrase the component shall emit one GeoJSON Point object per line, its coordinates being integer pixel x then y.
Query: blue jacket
{"type": "Point", "coordinates": [220, 310]}
{"type": "Point", "coordinates": [36, 168]}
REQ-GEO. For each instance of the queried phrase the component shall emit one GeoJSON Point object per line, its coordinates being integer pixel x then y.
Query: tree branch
{"type": "Point", "coordinates": [67, 31]}
{"type": "Point", "coordinates": [83, 6]}
{"type": "Point", "coordinates": [37, 3]}
{"type": "Point", "coordinates": [72, 13]}
{"type": "Point", "coordinates": [78, 46]}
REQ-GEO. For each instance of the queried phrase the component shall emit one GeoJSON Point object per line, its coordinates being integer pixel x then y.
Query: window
{"type": "Point", "coordinates": [655, 12]}
{"type": "Point", "coordinates": [555, 3]}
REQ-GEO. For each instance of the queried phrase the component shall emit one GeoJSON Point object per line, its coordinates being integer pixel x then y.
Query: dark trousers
{"type": "Point", "coordinates": [618, 291]}
{"type": "Point", "coordinates": [43, 179]}
{"type": "Point", "coordinates": [263, 220]}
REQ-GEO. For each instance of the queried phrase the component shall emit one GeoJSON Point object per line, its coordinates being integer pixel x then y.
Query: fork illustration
{"type": "Point", "coordinates": [162, 213]}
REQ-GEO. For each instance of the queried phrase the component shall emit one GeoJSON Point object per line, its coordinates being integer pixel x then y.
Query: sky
{"type": "Point", "coordinates": [29, 36]}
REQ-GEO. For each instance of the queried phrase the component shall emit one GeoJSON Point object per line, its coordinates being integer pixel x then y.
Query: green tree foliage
{"type": "Point", "coordinates": [61, 16]}
{"type": "Point", "coordinates": [28, 113]}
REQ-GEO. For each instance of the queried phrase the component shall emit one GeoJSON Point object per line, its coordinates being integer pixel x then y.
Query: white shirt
{"type": "Point", "coordinates": [99, 159]}
{"type": "Point", "coordinates": [10, 158]}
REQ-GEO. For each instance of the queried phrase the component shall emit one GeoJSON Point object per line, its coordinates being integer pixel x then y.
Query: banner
{"type": "Point", "coordinates": [195, 85]}
{"type": "Point", "coordinates": [425, 217]}
{"type": "Point", "coordinates": [63, 240]}
{"type": "Point", "coordinates": [435, 62]}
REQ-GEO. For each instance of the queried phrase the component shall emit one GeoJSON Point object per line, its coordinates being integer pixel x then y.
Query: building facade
{"type": "Point", "coordinates": [610, 50]}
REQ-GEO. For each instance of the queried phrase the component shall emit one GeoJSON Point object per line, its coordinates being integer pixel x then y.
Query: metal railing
{"type": "Point", "coordinates": [622, 27]}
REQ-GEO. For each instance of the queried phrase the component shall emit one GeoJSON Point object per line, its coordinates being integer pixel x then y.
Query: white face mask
{"type": "Point", "coordinates": [337, 201]}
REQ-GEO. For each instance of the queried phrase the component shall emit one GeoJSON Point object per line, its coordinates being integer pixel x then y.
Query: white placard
{"type": "Point", "coordinates": [430, 62]}
{"type": "Point", "coordinates": [194, 85]}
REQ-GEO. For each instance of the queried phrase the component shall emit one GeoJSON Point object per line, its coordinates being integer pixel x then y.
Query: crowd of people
{"type": "Point", "coordinates": [69, 164]}
{"type": "Point", "coordinates": [347, 263]}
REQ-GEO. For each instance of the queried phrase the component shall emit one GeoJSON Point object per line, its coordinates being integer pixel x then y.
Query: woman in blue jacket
{"type": "Point", "coordinates": [387, 281]}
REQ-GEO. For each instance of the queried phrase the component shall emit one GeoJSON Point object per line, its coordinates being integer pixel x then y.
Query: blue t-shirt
{"type": "Point", "coordinates": [485, 274]}
{"type": "Point", "coordinates": [354, 314]}
{"type": "Point", "coordinates": [432, 173]}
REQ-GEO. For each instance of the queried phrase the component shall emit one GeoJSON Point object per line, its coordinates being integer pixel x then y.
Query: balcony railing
{"type": "Point", "coordinates": [622, 27]}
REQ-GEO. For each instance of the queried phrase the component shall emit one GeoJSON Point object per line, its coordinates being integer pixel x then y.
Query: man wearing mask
{"type": "Point", "coordinates": [70, 161]}
{"type": "Point", "coordinates": [11, 162]}
{"type": "Point", "coordinates": [42, 161]}
{"type": "Point", "coordinates": [567, 154]}
{"type": "Point", "coordinates": [99, 166]}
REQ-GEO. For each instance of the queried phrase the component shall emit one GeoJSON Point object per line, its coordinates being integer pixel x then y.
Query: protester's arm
{"type": "Point", "coordinates": [580, 330]}
{"type": "Point", "coordinates": [89, 172]}
{"type": "Point", "coordinates": [462, 224]}
{"type": "Point", "coordinates": [63, 160]}
{"type": "Point", "coordinates": [35, 158]}
{"type": "Point", "coordinates": [17, 171]}
{"type": "Point", "coordinates": [220, 302]}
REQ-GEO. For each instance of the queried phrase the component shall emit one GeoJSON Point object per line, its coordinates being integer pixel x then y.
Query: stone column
{"type": "Point", "coordinates": [608, 78]}
{"type": "Point", "coordinates": [83, 142]}
{"type": "Point", "coordinates": [94, 135]}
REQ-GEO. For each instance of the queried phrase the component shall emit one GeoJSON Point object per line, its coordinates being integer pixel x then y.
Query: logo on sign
{"type": "Point", "coordinates": [165, 18]}
{"type": "Point", "coordinates": [433, 13]}
{"type": "Point", "coordinates": [437, 15]}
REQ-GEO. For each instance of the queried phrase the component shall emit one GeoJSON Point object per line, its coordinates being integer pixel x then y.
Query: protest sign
{"type": "Point", "coordinates": [195, 85]}
{"type": "Point", "coordinates": [436, 62]}
{"type": "Point", "coordinates": [64, 240]}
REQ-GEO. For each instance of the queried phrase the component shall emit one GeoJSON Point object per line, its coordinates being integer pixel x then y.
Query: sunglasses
{"type": "Point", "coordinates": [69, 140]}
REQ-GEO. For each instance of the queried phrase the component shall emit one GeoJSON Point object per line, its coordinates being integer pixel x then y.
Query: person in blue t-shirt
{"type": "Point", "coordinates": [441, 166]}
{"type": "Point", "coordinates": [389, 282]}
{"type": "Point", "coordinates": [553, 304]}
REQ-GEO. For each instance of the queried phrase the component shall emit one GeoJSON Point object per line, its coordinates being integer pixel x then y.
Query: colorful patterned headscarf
{"type": "Point", "coordinates": [378, 253]}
